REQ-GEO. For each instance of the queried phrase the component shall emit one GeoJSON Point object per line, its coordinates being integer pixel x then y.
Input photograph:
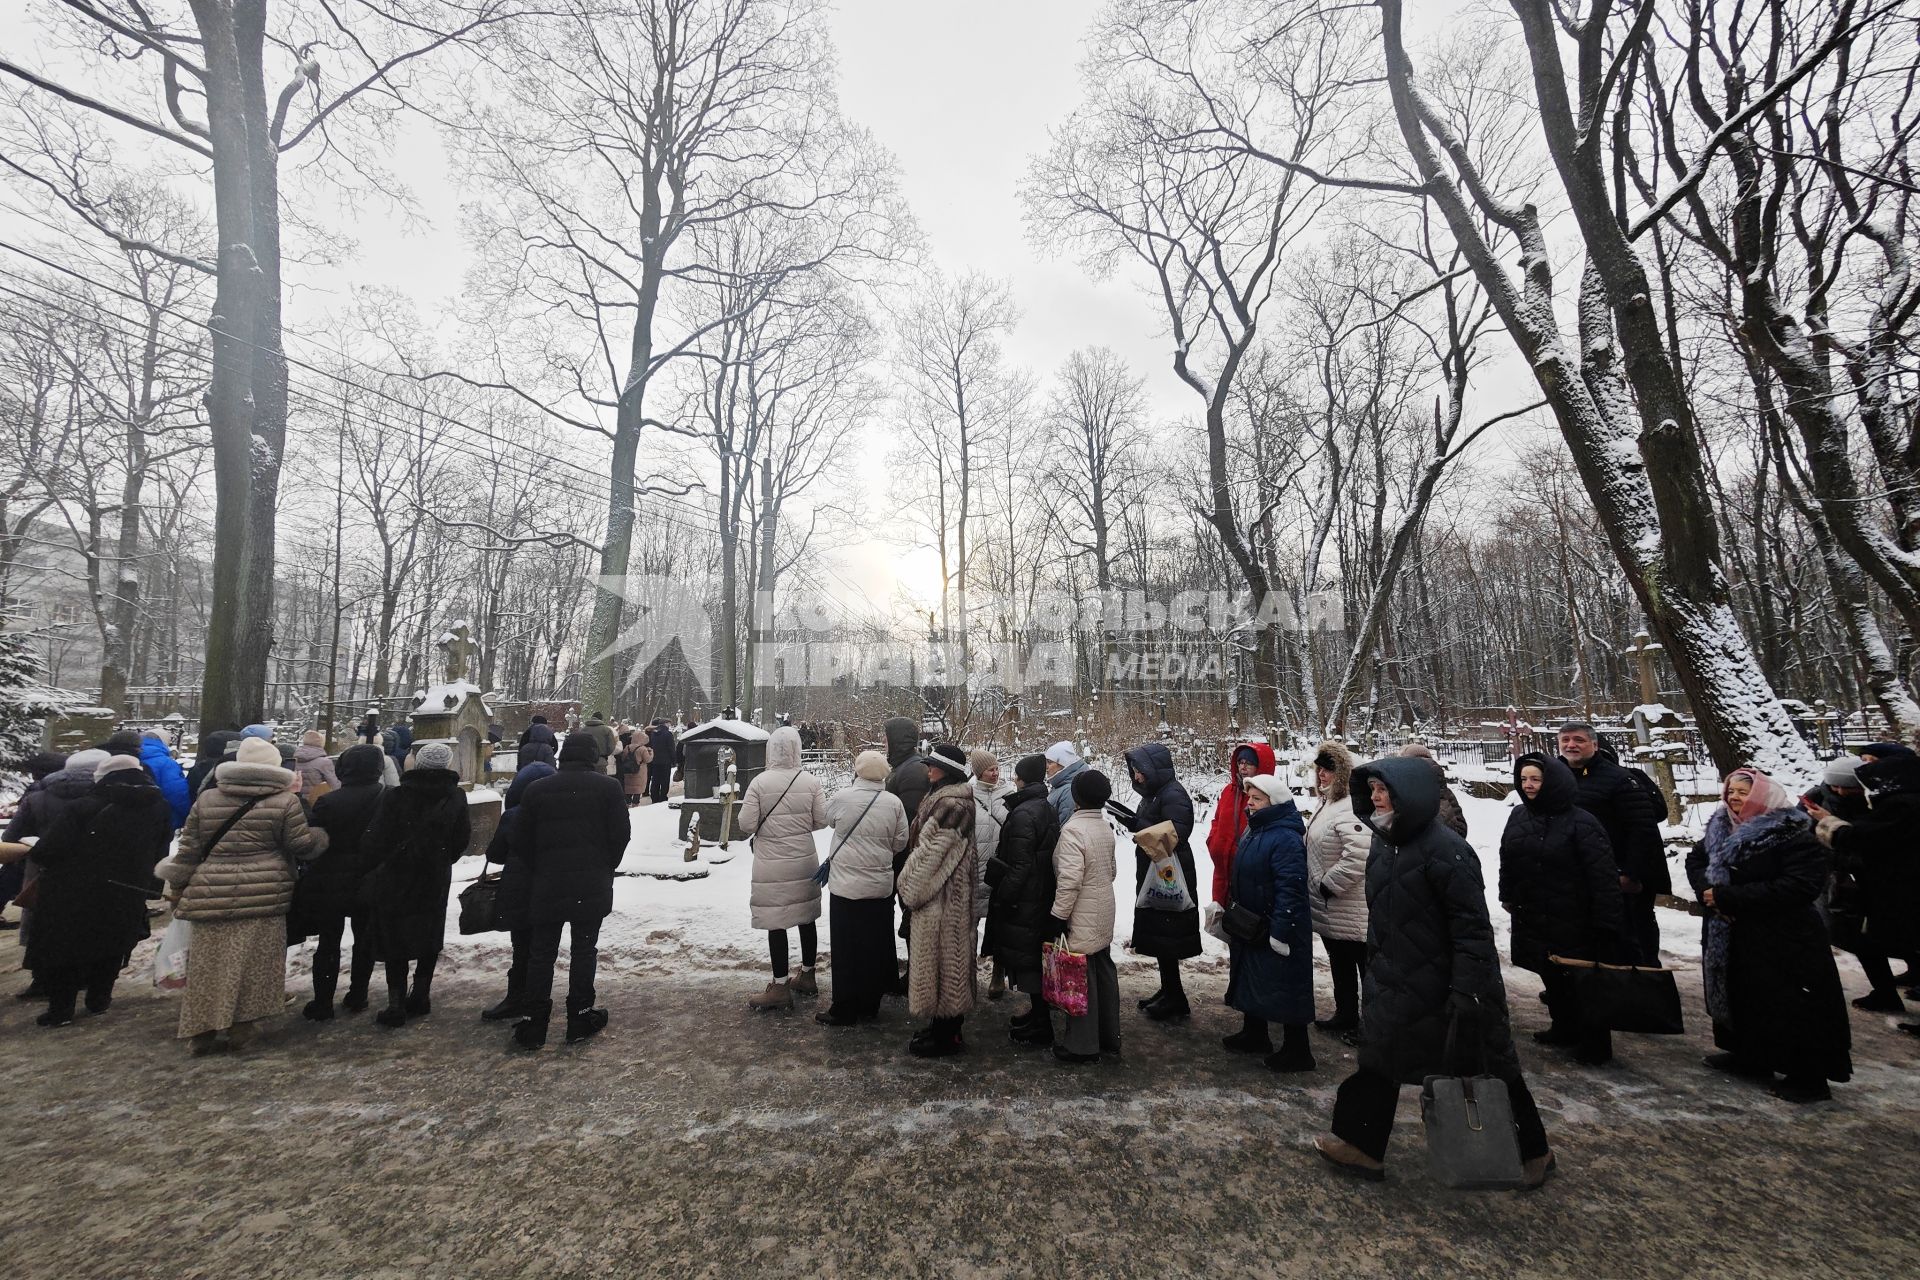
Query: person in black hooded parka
{"type": "Point", "coordinates": [1167, 936]}
{"type": "Point", "coordinates": [326, 896]}
{"type": "Point", "coordinates": [1561, 884]}
{"type": "Point", "coordinates": [1431, 967]}
{"type": "Point", "coordinates": [536, 762]}
{"type": "Point", "coordinates": [570, 831]}
{"type": "Point", "coordinates": [211, 751]}
{"type": "Point", "coordinates": [419, 831]}
{"type": "Point", "coordinates": [1879, 846]}
{"type": "Point", "coordinates": [95, 864]}
{"type": "Point", "coordinates": [1021, 877]}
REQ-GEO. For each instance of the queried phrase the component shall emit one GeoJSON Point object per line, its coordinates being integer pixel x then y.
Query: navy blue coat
{"type": "Point", "coordinates": [1269, 878]}
{"type": "Point", "coordinates": [1164, 935]}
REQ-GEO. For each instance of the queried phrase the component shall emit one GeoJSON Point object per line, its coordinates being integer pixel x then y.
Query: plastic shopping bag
{"type": "Point", "coordinates": [1165, 888]}
{"type": "Point", "coordinates": [170, 961]}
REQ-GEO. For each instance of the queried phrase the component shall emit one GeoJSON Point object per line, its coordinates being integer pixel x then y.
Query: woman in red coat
{"type": "Point", "coordinates": [1230, 817]}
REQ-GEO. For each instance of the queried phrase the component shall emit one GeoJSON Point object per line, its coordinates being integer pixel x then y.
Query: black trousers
{"type": "Point", "coordinates": [1874, 963]}
{"type": "Point", "coordinates": [1346, 960]}
{"type": "Point", "coordinates": [1170, 985]}
{"type": "Point", "coordinates": [1570, 1020]}
{"type": "Point", "coordinates": [863, 962]}
{"type": "Point", "coordinates": [1363, 1114]}
{"type": "Point", "coordinates": [777, 948]}
{"type": "Point", "coordinates": [63, 984]}
{"type": "Point", "coordinates": [326, 957]}
{"type": "Point", "coordinates": [1640, 928]}
{"type": "Point", "coordinates": [544, 952]}
{"type": "Point", "coordinates": [421, 989]}
{"type": "Point", "coordinates": [659, 781]}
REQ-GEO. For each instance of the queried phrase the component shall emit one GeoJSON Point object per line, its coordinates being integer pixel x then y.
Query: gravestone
{"type": "Point", "coordinates": [455, 710]}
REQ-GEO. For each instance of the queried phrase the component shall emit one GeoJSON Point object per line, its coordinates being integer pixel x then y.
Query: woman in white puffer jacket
{"type": "Point", "coordinates": [784, 806]}
{"type": "Point", "coordinates": [1337, 847]}
{"type": "Point", "coordinates": [869, 827]}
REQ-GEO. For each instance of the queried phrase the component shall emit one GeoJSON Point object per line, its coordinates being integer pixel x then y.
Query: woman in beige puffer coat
{"type": "Point", "coordinates": [783, 807]}
{"type": "Point", "coordinates": [1337, 848]}
{"type": "Point", "coordinates": [235, 890]}
{"type": "Point", "coordinates": [936, 885]}
{"type": "Point", "coordinates": [1083, 898]}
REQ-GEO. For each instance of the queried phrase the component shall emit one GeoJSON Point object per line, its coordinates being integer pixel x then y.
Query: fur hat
{"type": "Point", "coordinates": [1419, 749]}
{"type": "Point", "coordinates": [1840, 772]}
{"type": "Point", "coordinates": [949, 759]}
{"type": "Point", "coordinates": [312, 738]}
{"type": "Point", "coordinates": [980, 761]}
{"type": "Point", "coordinates": [435, 755]}
{"type": "Point", "coordinates": [1063, 754]}
{"type": "Point", "coordinates": [83, 763]}
{"type": "Point", "coordinates": [870, 766]}
{"type": "Point", "coordinates": [116, 764]}
{"type": "Point", "coordinates": [257, 750]}
{"type": "Point", "coordinates": [1333, 756]}
{"type": "Point", "coordinates": [1030, 770]}
{"type": "Point", "coordinates": [1273, 788]}
{"type": "Point", "coordinates": [1092, 789]}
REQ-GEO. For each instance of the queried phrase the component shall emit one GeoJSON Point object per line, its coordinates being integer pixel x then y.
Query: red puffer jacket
{"type": "Point", "coordinates": [1230, 816]}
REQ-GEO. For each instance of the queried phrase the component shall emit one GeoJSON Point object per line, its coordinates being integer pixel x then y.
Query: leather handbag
{"type": "Point", "coordinates": [1468, 1118]}
{"type": "Point", "coordinates": [480, 904]}
{"type": "Point", "coordinates": [1626, 997]}
{"type": "Point", "coordinates": [1243, 925]}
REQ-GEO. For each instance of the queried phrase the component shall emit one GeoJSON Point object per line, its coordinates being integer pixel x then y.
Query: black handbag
{"type": "Point", "coordinates": [1626, 997]}
{"type": "Point", "coordinates": [480, 904]}
{"type": "Point", "coordinates": [1243, 925]}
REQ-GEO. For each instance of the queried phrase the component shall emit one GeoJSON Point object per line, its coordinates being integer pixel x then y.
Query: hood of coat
{"type": "Point", "coordinates": [153, 749]}
{"type": "Point", "coordinates": [304, 754]}
{"type": "Point", "coordinates": [1154, 765]}
{"type": "Point", "coordinates": [903, 740]}
{"type": "Point", "coordinates": [783, 748]}
{"type": "Point", "coordinates": [358, 765]}
{"type": "Point", "coordinates": [419, 779]}
{"type": "Point", "coordinates": [1558, 788]}
{"type": "Point", "coordinates": [535, 753]}
{"type": "Point", "coordinates": [1415, 787]}
{"type": "Point", "coordinates": [1336, 751]}
{"type": "Point", "coordinates": [126, 784]}
{"type": "Point", "coordinates": [1262, 754]}
{"type": "Point", "coordinates": [69, 783]}
{"type": "Point", "coordinates": [240, 778]}
{"type": "Point", "coordinates": [1889, 776]}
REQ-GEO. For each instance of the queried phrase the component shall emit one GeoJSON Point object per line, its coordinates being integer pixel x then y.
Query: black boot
{"type": "Point", "coordinates": [582, 1023]}
{"type": "Point", "coordinates": [531, 1032]}
{"type": "Point", "coordinates": [512, 1005]}
{"type": "Point", "coordinates": [1035, 1033]}
{"type": "Point", "coordinates": [320, 1008]}
{"type": "Point", "coordinates": [420, 997]}
{"type": "Point", "coordinates": [1170, 1007]}
{"type": "Point", "coordinates": [395, 1014]}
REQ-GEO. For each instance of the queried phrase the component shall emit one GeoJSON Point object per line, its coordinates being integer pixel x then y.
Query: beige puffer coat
{"type": "Point", "coordinates": [251, 872]}
{"type": "Point", "coordinates": [936, 884]}
{"type": "Point", "coordinates": [1083, 882]}
{"type": "Point", "coordinates": [783, 808]}
{"type": "Point", "coordinates": [869, 827]}
{"type": "Point", "coordinates": [1337, 847]}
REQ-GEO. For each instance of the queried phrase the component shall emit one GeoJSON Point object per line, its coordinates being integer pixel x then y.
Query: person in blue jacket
{"type": "Point", "coordinates": [1272, 975]}
{"type": "Point", "coordinates": [166, 771]}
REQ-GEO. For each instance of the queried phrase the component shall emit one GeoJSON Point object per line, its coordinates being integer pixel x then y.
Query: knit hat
{"type": "Point", "coordinates": [123, 742]}
{"type": "Point", "coordinates": [257, 731]}
{"type": "Point", "coordinates": [1270, 786]}
{"type": "Point", "coordinates": [1840, 772]}
{"type": "Point", "coordinates": [257, 750]}
{"type": "Point", "coordinates": [116, 764]}
{"type": "Point", "coordinates": [949, 759]}
{"type": "Point", "coordinates": [1063, 754]}
{"type": "Point", "coordinates": [980, 761]}
{"type": "Point", "coordinates": [870, 766]}
{"type": "Point", "coordinates": [1091, 790]}
{"type": "Point", "coordinates": [579, 748]}
{"type": "Point", "coordinates": [81, 764]}
{"type": "Point", "coordinates": [1030, 770]}
{"type": "Point", "coordinates": [435, 755]}
{"type": "Point", "coordinates": [1419, 749]}
{"type": "Point", "coordinates": [312, 738]}
{"type": "Point", "coordinates": [362, 762]}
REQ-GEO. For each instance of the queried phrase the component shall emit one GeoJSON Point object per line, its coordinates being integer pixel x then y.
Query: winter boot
{"type": "Point", "coordinates": [1290, 1060]}
{"type": "Point", "coordinates": [395, 1014]}
{"type": "Point", "coordinates": [1535, 1172]}
{"type": "Point", "coordinates": [1881, 1000]}
{"type": "Point", "coordinates": [420, 997]}
{"type": "Point", "coordinates": [57, 1015]}
{"type": "Point", "coordinates": [531, 1032]}
{"type": "Point", "coordinates": [584, 1023]}
{"type": "Point", "coordinates": [1735, 1065]}
{"type": "Point", "coordinates": [1035, 1033]}
{"type": "Point", "coordinates": [998, 987]}
{"type": "Point", "coordinates": [1065, 1055]}
{"type": "Point", "coordinates": [1802, 1090]}
{"type": "Point", "coordinates": [1248, 1040]}
{"type": "Point", "coordinates": [1337, 1023]}
{"type": "Point", "coordinates": [778, 995]}
{"type": "Point", "coordinates": [1347, 1158]}
{"type": "Point", "coordinates": [937, 1044]}
{"type": "Point", "coordinates": [318, 1010]}
{"type": "Point", "coordinates": [355, 1001]}
{"type": "Point", "coordinates": [1151, 1000]}
{"type": "Point", "coordinates": [1170, 1008]}
{"type": "Point", "coordinates": [802, 983]}
{"type": "Point", "coordinates": [511, 1004]}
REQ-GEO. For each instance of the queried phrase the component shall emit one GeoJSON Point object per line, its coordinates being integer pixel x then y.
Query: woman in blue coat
{"type": "Point", "coordinates": [167, 775]}
{"type": "Point", "coordinates": [1272, 976]}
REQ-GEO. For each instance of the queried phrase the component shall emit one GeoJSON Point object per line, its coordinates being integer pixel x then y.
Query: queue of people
{"type": "Point", "coordinates": [274, 848]}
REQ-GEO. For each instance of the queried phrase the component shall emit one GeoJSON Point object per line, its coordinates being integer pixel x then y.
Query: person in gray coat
{"type": "Point", "coordinates": [1063, 766]}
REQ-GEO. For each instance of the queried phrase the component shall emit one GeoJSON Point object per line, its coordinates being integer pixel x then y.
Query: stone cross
{"type": "Point", "coordinates": [1644, 650]}
{"type": "Point", "coordinates": [459, 651]}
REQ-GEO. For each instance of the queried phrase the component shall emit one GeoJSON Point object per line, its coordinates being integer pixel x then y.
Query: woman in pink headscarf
{"type": "Point", "coordinates": [1772, 989]}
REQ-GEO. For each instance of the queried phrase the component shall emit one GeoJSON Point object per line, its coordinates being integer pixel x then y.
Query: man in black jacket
{"type": "Point", "coordinates": [570, 831]}
{"type": "Point", "coordinates": [660, 780]}
{"type": "Point", "coordinates": [1632, 823]}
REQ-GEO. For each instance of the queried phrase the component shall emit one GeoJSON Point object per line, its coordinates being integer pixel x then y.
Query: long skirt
{"type": "Point", "coordinates": [236, 972]}
{"type": "Point", "coordinates": [861, 934]}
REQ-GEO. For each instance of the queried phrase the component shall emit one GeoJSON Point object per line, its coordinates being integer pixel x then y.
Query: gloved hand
{"type": "Point", "coordinates": [1056, 926]}
{"type": "Point", "coordinates": [1279, 946]}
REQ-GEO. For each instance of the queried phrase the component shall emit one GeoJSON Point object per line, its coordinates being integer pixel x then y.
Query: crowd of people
{"type": "Point", "coordinates": [261, 847]}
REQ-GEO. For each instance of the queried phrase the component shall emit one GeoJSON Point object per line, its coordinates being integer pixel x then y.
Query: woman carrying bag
{"type": "Point", "coordinates": [784, 806]}
{"type": "Point", "coordinates": [869, 827]}
{"type": "Point", "coordinates": [1269, 927]}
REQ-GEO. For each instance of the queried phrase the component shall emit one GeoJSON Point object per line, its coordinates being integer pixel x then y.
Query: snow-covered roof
{"type": "Point", "coordinates": [445, 697]}
{"type": "Point", "coordinates": [739, 730]}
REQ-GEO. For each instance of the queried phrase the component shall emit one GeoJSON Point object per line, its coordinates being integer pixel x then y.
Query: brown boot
{"type": "Point", "coordinates": [802, 983]}
{"type": "Point", "coordinates": [1348, 1158]}
{"type": "Point", "coordinates": [778, 995]}
{"type": "Point", "coordinates": [1534, 1172]}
